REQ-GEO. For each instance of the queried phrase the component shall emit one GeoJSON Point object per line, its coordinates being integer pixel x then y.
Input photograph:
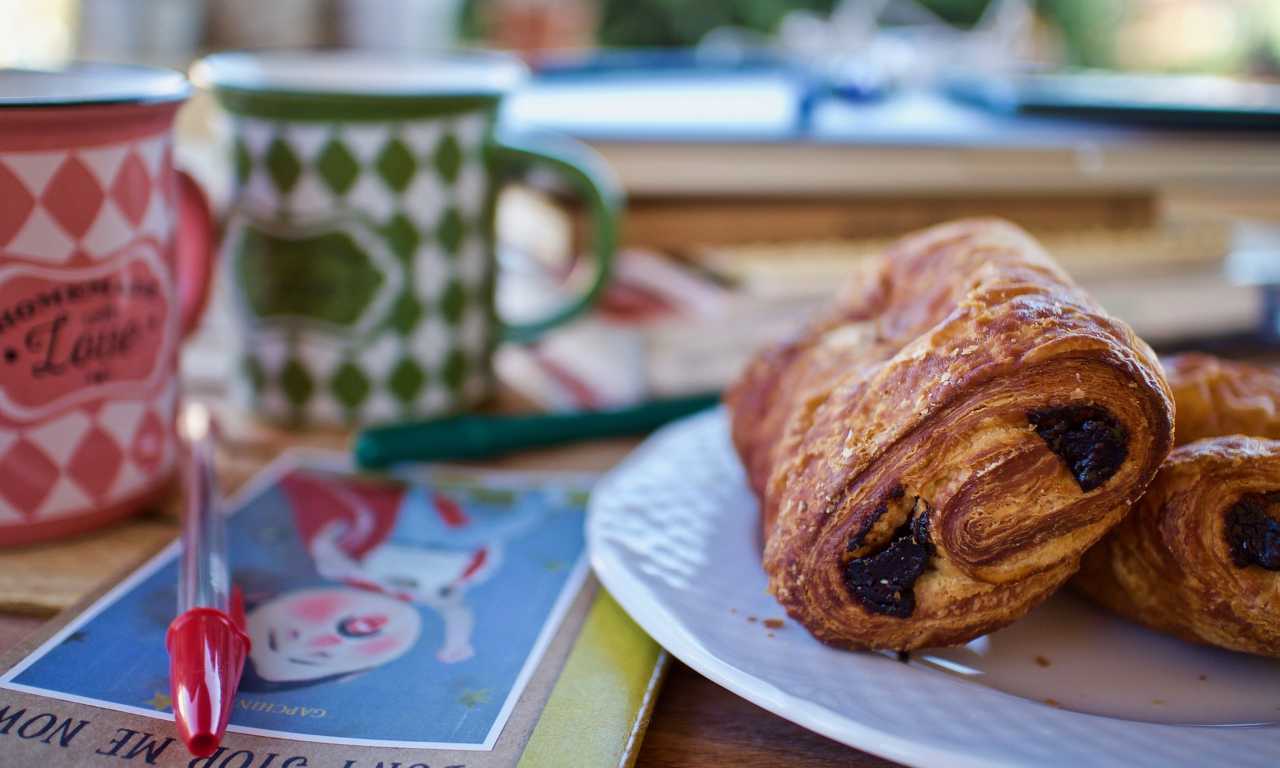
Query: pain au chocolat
{"type": "Point", "coordinates": [1199, 556]}
{"type": "Point", "coordinates": [934, 454]}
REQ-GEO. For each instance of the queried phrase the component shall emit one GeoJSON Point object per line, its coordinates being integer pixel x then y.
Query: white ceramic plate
{"type": "Point", "coordinates": [673, 535]}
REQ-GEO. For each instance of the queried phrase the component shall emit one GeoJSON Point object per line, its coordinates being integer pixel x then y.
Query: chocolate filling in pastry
{"type": "Point", "coordinates": [1087, 438]}
{"type": "Point", "coordinates": [883, 582]}
{"type": "Point", "coordinates": [1252, 533]}
{"type": "Point", "coordinates": [859, 539]}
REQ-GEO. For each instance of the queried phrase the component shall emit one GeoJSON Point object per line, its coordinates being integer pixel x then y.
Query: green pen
{"type": "Point", "coordinates": [478, 437]}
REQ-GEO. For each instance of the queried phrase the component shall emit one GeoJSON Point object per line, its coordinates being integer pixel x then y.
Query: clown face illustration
{"type": "Point", "coordinates": [410, 544]}
{"type": "Point", "coordinates": [326, 632]}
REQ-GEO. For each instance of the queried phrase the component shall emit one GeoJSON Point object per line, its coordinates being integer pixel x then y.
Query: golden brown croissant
{"type": "Point", "coordinates": [1216, 397]}
{"type": "Point", "coordinates": [936, 452]}
{"type": "Point", "coordinates": [1199, 556]}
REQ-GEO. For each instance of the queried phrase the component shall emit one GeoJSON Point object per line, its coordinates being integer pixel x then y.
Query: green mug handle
{"type": "Point", "coordinates": [589, 178]}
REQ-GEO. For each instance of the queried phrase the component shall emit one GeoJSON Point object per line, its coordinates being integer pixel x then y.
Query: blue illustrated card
{"type": "Point", "coordinates": [395, 612]}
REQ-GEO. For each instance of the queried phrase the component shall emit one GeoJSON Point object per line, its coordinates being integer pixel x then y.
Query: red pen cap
{"type": "Point", "coordinates": [207, 651]}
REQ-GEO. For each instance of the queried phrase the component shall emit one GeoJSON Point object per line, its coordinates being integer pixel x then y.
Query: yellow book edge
{"type": "Point", "coordinates": [601, 703]}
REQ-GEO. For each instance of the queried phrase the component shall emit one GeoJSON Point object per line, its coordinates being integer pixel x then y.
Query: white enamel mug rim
{"type": "Point", "coordinates": [84, 83]}
{"type": "Point", "coordinates": [362, 73]}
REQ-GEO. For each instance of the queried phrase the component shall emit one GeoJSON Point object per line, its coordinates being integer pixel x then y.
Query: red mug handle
{"type": "Point", "coordinates": [195, 248]}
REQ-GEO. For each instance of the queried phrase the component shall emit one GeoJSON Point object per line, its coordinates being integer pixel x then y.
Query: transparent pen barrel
{"type": "Point", "coordinates": [204, 581]}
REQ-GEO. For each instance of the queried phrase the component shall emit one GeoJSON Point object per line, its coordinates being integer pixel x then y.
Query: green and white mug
{"type": "Point", "coordinates": [360, 243]}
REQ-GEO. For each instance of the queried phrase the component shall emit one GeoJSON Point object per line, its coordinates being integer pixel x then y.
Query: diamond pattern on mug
{"type": "Point", "coordinates": [259, 191]}
{"type": "Point", "coordinates": [423, 185]}
{"type": "Point", "coordinates": [18, 204]}
{"type": "Point", "coordinates": [130, 480]}
{"type": "Point", "coordinates": [455, 369]}
{"type": "Point", "coordinates": [423, 136]}
{"type": "Point", "coordinates": [131, 189]}
{"type": "Point", "coordinates": [41, 239]}
{"type": "Point", "coordinates": [104, 162]}
{"type": "Point", "coordinates": [403, 237]}
{"type": "Point", "coordinates": [396, 164]}
{"type": "Point", "coordinates": [149, 447]}
{"type": "Point", "coordinates": [453, 302]}
{"type": "Point", "coordinates": [66, 498]}
{"type": "Point", "coordinates": [406, 380]}
{"type": "Point", "coordinates": [451, 230]}
{"type": "Point", "coordinates": [378, 358]}
{"type": "Point", "coordinates": [321, 356]}
{"type": "Point", "coordinates": [371, 195]}
{"type": "Point", "coordinates": [432, 272]}
{"type": "Point", "coordinates": [405, 314]}
{"type": "Point", "coordinates": [26, 475]}
{"type": "Point", "coordinates": [73, 197]}
{"type": "Point", "coordinates": [87, 457]}
{"type": "Point", "coordinates": [296, 383]}
{"type": "Point", "coordinates": [121, 418]}
{"type": "Point", "coordinates": [307, 139]}
{"type": "Point", "coordinates": [310, 198]}
{"type": "Point", "coordinates": [35, 168]}
{"type": "Point", "coordinates": [110, 231]}
{"type": "Point", "coordinates": [59, 437]}
{"type": "Point", "coordinates": [156, 223]}
{"type": "Point", "coordinates": [283, 165]}
{"type": "Point", "coordinates": [350, 385]}
{"type": "Point", "coordinates": [96, 462]}
{"type": "Point", "coordinates": [431, 342]}
{"type": "Point", "coordinates": [256, 134]}
{"type": "Point", "coordinates": [337, 167]}
{"type": "Point", "coordinates": [92, 201]}
{"type": "Point", "coordinates": [364, 139]}
{"type": "Point", "coordinates": [155, 155]}
{"type": "Point", "coordinates": [424, 201]}
{"type": "Point", "coordinates": [317, 359]}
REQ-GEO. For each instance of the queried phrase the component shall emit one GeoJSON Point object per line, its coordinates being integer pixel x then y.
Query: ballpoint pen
{"type": "Point", "coordinates": [207, 641]}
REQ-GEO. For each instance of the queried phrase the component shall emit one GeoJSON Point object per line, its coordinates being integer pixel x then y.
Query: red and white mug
{"type": "Point", "coordinates": [105, 263]}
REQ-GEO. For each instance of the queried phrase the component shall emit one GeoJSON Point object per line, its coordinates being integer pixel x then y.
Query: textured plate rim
{"type": "Point", "coordinates": [640, 602]}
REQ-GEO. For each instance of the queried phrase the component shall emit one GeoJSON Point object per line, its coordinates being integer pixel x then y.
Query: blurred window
{"type": "Point", "coordinates": [36, 32]}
